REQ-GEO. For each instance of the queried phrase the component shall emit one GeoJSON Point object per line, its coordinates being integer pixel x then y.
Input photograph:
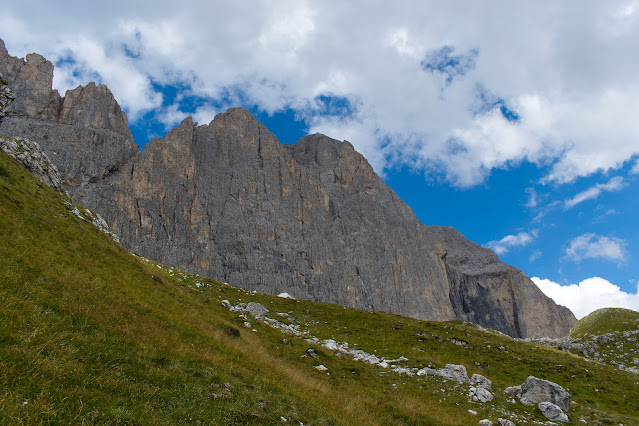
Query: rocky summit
{"type": "Point", "coordinates": [228, 201]}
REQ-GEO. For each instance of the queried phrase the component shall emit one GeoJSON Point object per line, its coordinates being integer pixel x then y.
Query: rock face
{"type": "Point", "coordinates": [85, 133]}
{"type": "Point", "coordinates": [228, 201]}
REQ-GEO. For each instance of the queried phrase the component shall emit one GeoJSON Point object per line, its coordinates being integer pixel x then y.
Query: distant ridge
{"type": "Point", "coordinates": [228, 201]}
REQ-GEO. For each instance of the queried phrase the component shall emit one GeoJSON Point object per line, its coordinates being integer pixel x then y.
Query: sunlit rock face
{"type": "Point", "coordinates": [228, 201]}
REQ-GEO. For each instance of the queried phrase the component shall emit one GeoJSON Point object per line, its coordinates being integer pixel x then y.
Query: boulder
{"type": "Point", "coordinates": [480, 381]}
{"type": "Point", "coordinates": [480, 395]}
{"type": "Point", "coordinates": [454, 372]}
{"type": "Point", "coordinates": [534, 390]}
{"type": "Point", "coordinates": [505, 422]}
{"type": "Point", "coordinates": [553, 412]}
{"type": "Point", "coordinates": [257, 310]}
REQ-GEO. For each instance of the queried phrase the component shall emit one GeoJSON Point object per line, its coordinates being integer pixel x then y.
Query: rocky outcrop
{"type": "Point", "coordinates": [85, 133]}
{"type": "Point", "coordinates": [228, 201]}
{"type": "Point", "coordinates": [30, 155]}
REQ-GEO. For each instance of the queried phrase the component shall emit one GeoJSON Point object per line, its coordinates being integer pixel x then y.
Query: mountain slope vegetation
{"type": "Point", "coordinates": [90, 333]}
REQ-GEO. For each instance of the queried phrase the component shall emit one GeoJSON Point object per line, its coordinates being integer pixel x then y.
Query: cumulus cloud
{"type": "Point", "coordinates": [635, 168]}
{"type": "Point", "coordinates": [592, 246]}
{"type": "Point", "coordinates": [564, 90]}
{"type": "Point", "coordinates": [504, 245]}
{"type": "Point", "coordinates": [589, 295]}
{"type": "Point", "coordinates": [615, 184]}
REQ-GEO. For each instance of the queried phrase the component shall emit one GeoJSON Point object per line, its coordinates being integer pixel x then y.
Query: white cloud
{"type": "Point", "coordinates": [615, 184]}
{"type": "Point", "coordinates": [564, 89]}
{"type": "Point", "coordinates": [635, 168]}
{"type": "Point", "coordinates": [591, 246]}
{"type": "Point", "coordinates": [504, 245]}
{"type": "Point", "coordinates": [588, 296]}
{"type": "Point", "coordinates": [532, 200]}
{"type": "Point", "coordinates": [534, 256]}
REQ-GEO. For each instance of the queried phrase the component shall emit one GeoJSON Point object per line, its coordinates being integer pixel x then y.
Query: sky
{"type": "Point", "coordinates": [515, 122]}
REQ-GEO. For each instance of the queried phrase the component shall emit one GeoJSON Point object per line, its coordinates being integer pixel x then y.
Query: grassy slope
{"type": "Point", "coordinates": [605, 321]}
{"type": "Point", "coordinates": [90, 333]}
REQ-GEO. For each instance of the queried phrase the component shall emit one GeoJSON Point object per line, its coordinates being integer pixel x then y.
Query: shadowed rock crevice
{"type": "Point", "coordinates": [228, 201]}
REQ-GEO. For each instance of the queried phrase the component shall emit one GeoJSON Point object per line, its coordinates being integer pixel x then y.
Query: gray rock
{"type": "Point", "coordinates": [505, 422]}
{"type": "Point", "coordinates": [454, 372]}
{"type": "Point", "coordinates": [553, 412]}
{"type": "Point", "coordinates": [534, 390]}
{"type": "Point", "coordinates": [486, 422]}
{"type": "Point", "coordinates": [31, 156]}
{"type": "Point", "coordinates": [85, 134]}
{"type": "Point", "coordinates": [480, 395]}
{"type": "Point", "coordinates": [480, 381]}
{"type": "Point", "coordinates": [257, 310]}
{"type": "Point", "coordinates": [311, 352]}
{"type": "Point", "coordinates": [6, 97]}
{"type": "Point", "coordinates": [228, 201]}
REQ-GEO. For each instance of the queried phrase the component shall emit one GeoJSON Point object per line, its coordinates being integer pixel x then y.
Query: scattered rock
{"type": "Point", "coordinates": [247, 324]}
{"type": "Point", "coordinates": [505, 422]}
{"type": "Point", "coordinates": [553, 412]}
{"type": "Point", "coordinates": [486, 422]}
{"type": "Point", "coordinates": [473, 412]}
{"type": "Point", "coordinates": [311, 352]}
{"type": "Point", "coordinates": [226, 304]}
{"type": "Point", "coordinates": [321, 367]}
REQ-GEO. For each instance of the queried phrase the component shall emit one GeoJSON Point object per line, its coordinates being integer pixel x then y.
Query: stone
{"type": "Point", "coordinates": [483, 395]}
{"type": "Point", "coordinates": [426, 371]}
{"type": "Point", "coordinates": [31, 156]}
{"type": "Point", "coordinates": [454, 372]}
{"type": "Point", "coordinates": [505, 422]}
{"type": "Point", "coordinates": [534, 391]}
{"type": "Point", "coordinates": [257, 310]}
{"type": "Point", "coordinates": [311, 352]}
{"type": "Point", "coordinates": [480, 394]}
{"type": "Point", "coordinates": [480, 381]}
{"type": "Point", "coordinates": [226, 200]}
{"type": "Point", "coordinates": [321, 367]}
{"type": "Point", "coordinates": [553, 412]}
{"type": "Point", "coordinates": [485, 422]}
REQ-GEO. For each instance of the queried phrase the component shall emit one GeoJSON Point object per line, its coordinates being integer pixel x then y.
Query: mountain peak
{"type": "Point", "coordinates": [228, 201]}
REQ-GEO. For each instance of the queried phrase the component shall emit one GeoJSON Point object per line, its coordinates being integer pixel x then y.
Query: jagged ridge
{"type": "Point", "coordinates": [228, 201]}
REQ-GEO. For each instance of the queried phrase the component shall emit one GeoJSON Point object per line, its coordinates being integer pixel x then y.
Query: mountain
{"type": "Point", "coordinates": [228, 201]}
{"type": "Point", "coordinates": [91, 334]}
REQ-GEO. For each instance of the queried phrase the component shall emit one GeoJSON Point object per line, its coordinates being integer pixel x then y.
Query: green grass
{"type": "Point", "coordinates": [92, 334]}
{"type": "Point", "coordinates": [606, 320]}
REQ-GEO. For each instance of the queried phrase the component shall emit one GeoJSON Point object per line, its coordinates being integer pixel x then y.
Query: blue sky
{"type": "Point", "coordinates": [514, 122]}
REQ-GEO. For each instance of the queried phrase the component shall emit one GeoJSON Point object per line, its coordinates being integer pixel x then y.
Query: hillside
{"type": "Point", "coordinates": [608, 335]}
{"type": "Point", "coordinates": [228, 201]}
{"type": "Point", "coordinates": [92, 334]}
{"type": "Point", "coordinates": [606, 320]}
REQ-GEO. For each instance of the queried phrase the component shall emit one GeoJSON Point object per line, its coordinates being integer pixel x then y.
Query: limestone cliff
{"type": "Point", "coordinates": [227, 200]}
